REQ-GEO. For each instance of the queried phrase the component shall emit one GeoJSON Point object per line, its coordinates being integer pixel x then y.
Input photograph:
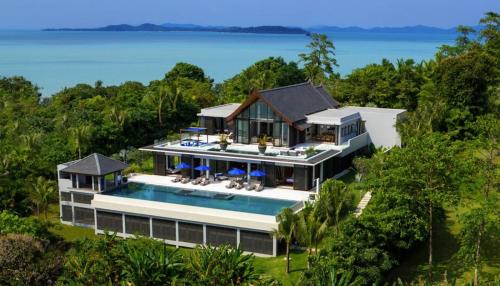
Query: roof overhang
{"type": "Point", "coordinates": [333, 117]}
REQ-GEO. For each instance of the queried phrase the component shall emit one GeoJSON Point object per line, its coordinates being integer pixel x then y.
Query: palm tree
{"type": "Point", "coordinates": [286, 229]}
{"type": "Point", "coordinates": [222, 265]}
{"type": "Point", "coordinates": [80, 136]}
{"type": "Point", "coordinates": [41, 195]}
{"type": "Point", "coordinates": [335, 200]}
{"type": "Point", "coordinates": [310, 231]}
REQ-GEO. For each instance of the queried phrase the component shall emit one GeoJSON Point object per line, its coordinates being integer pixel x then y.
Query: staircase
{"type": "Point", "coordinates": [362, 204]}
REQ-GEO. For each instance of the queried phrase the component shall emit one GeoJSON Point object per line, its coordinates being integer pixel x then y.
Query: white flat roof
{"type": "Point", "coordinates": [373, 110]}
{"type": "Point", "coordinates": [332, 116]}
{"type": "Point", "coordinates": [223, 110]}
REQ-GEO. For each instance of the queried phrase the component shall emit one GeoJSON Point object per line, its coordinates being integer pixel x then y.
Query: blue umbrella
{"type": "Point", "coordinates": [257, 173]}
{"type": "Point", "coordinates": [182, 165]}
{"type": "Point", "coordinates": [236, 172]}
{"type": "Point", "coordinates": [202, 168]}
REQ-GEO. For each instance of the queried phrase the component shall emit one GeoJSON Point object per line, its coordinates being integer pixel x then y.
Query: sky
{"type": "Point", "coordinates": [37, 14]}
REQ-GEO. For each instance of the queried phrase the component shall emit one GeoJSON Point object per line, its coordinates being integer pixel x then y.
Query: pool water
{"type": "Point", "coordinates": [205, 199]}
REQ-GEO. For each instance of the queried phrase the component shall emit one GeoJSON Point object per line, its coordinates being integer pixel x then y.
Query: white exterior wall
{"type": "Point", "coordinates": [380, 123]}
{"type": "Point", "coordinates": [64, 184]}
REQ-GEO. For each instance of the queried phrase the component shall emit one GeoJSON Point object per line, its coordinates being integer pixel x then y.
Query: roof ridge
{"type": "Point", "coordinates": [283, 87]}
{"type": "Point", "coordinates": [225, 104]}
{"type": "Point", "coordinates": [98, 165]}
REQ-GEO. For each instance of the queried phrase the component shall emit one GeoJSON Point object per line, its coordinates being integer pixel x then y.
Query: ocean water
{"type": "Point", "coordinates": [54, 60]}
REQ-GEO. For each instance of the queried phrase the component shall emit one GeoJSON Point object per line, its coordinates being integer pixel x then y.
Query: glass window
{"type": "Point", "coordinates": [284, 132]}
{"type": "Point", "coordinates": [242, 126]}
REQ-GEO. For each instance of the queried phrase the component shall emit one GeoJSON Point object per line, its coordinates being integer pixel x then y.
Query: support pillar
{"type": "Point", "coordinates": [275, 246]}
{"type": "Point", "coordinates": [77, 181]}
{"type": "Point", "coordinates": [313, 174]}
{"type": "Point", "coordinates": [93, 183]}
{"type": "Point", "coordinates": [249, 169]}
{"type": "Point", "coordinates": [321, 172]}
{"type": "Point", "coordinates": [207, 163]}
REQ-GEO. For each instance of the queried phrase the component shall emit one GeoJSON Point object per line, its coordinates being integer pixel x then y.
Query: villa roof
{"type": "Point", "coordinates": [295, 101]}
{"type": "Point", "coordinates": [95, 165]}
{"type": "Point", "coordinates": [292, 102]}
{"type": "Point", "coordinates": [223, 110]}
{"type": "Point", "coordinates": [333, 116]}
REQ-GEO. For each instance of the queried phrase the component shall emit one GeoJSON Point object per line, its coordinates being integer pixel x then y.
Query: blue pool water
{"type": "Point", "coordinates": [199, 198]}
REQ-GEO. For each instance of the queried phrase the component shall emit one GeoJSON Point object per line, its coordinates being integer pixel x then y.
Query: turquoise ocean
{"type": "Point", "coordinates": [54, 60]}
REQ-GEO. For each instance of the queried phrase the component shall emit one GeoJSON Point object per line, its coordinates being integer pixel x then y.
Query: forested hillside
{"type": "Point", "coordinates": [443, 182]}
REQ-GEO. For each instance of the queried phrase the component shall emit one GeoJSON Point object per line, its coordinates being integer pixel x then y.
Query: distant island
{"type": "Point", "coordinates": [409, 29]}
{"type": "Point", "coordinates": [169, 27]}
{"type": "Point", "coordinates": [191, 28]}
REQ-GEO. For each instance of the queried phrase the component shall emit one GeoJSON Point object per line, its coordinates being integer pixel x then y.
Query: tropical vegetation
{"type": "Point", "coordinates": [436, 193]}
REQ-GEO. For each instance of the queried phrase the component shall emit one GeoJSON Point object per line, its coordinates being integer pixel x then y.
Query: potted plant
{"type": "Point", "coordinates": [263, 143]}
{"type": "Point", "coordinates": [309, 151]}
{"type": "Point", "coordinates": [223, 141]}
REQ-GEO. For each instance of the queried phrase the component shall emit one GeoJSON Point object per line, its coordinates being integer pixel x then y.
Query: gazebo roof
{"type": "Point", "coordinates": [95, 165]}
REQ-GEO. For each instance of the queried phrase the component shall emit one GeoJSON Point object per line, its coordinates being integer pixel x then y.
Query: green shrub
{"type": "Point", "coordinates": [11, 223]}
{"type": "Point", "coordinates": [25, 260]}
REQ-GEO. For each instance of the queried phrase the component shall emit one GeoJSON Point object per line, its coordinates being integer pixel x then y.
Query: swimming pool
{"type": "Point", "coordinates": [200, 198]}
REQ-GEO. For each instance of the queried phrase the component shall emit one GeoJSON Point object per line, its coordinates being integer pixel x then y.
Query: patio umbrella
{"type": "Point", "coordinates": [236, 172]}
{"type": "Point", "coordinates": [257, 173]}
{"type": "Point", "coordinates": [202, 168]}
{"type": "Point", "coordinates": [182, 165]}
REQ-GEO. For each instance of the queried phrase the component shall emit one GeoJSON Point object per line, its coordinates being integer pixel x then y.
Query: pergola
{"type": "Point", "coordinates": [91, 171]}
{"type": "Point", "coordinates": [194, 130]}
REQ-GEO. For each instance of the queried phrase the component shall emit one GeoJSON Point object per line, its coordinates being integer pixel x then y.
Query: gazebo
{"type": "Point", "coordinates": [95, 172]}
{"type": "Point", "coordinates": [193, 130]}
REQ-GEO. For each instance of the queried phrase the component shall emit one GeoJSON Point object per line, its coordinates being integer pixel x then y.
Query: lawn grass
{"type": "Point", "coordinates": [276, 266]}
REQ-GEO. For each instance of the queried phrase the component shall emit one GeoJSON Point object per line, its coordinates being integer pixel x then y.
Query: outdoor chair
{"type": "Point", "coordinates": [205, 181]}
{"type": "Point", "coordinates": [231, 184]}
{"type": "Point", "coordinates": [197, 181]}
{"type": "Point", "coordinates": [259, 187]}
{"type": "Point", "coordinates": [185, 180]}
{"type": "Point", "coordinates": [239, 185]}
{"type": "Point", "coordinates": [177, 179]}
{"type": "Point", "coordinates": [250, 186]}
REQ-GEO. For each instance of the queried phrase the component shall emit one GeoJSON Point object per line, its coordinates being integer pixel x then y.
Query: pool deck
{"type": "Point", "coordinates": [219, 187]}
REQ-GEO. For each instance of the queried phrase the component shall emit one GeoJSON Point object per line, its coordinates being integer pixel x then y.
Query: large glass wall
{"type": "Point", "coordinates": [258, 119]}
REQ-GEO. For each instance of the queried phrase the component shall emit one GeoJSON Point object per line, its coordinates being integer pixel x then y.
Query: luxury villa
{"type": "Point", "coordinates": [309, 138]}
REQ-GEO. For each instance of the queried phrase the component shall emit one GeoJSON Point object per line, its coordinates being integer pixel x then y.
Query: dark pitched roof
{"type": "Point", "coordinates": [296, 101]}
{"type": "Point", "coordinates": [95, 165]}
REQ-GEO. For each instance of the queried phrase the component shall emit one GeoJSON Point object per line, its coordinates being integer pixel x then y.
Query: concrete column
{"type": "Point", "coordinates": [321, 172]}
{"type": "Point", "coordinates": [150, 227]}
{"type": "Point", "coordinates": [92, 183]}
{"type": "Point", "coordinates": [95, 221]}
{"type": "Point", "coordinates": [77, 181]}
{"type": "Point", "coordinates": [249, 169]}
{"type": "Point", "coordinates": [177, 233]}
{"type": "Point", "coordinates": [123, 223]}
{"type": "Point", "coordinates": [99, 188]}
{"type": "Point", "coordinates": [275, 246]}
{"type": "Point", "coordinates": [237, 237]}
{"type": "Point", "coordinates": [72, 209]}
{"type": "Point", "coordinates": [313, 174]}
{"type": "Point", "coordinates": [204, 234]}
{"type": "Point", "coordinates": [207, 162]}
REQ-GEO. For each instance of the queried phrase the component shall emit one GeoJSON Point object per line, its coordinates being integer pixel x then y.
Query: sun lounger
{"type": "Point", "coordinates": [259, 187]}
{"type": "Point", "coordinates": [177, 179]}
{"type": "Point", "coordinates": [205, 181]}
{"type": "Point", "coordinates": [231, 184]}
{"type": "Point", "coordinates": [250, 187]}
{"type": "Point", "coordinates": [197, 181]}
{"type": "Point", "coordinates": [185, 180]}
{"type": "Point", "coordinates": [239, 185]}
